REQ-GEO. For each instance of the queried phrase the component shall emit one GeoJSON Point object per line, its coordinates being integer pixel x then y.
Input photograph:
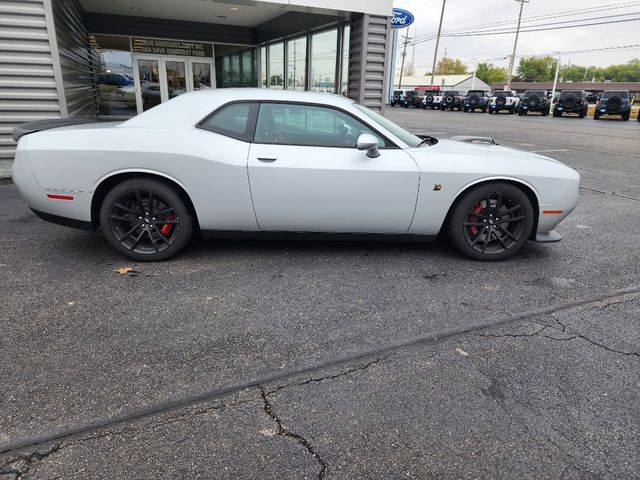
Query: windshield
{"type": "Point", "coordinates": [502, 94]}
{"type": "Point", "coordinates": [475, 92]}
{"type": "Point", "coordinates": [452, 92]}
{"type": "Point", "coordinates": [539, 93]}
{"type": "Point", "coordinates": [615, 93]}
{"type": "Point", "coordinates": [408, 138]}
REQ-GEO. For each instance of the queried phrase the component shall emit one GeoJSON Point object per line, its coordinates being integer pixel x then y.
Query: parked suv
{"type": "Point", "coordinates": [535, 101]}
{"type": "Point", "coordinates": [476, 99]}
{"type": "Point", "coordinates": [412, 98]}
{"type": "Point", "coordinates": [451, 100]}
{"type": "Point", "coordinates": [571, 101]}
{"type": "Point", "coordinates": [432, 100]}
{"type": "Point", "coordinates": [397, 98]}
{"type": "Point", "coordinates": [503, 100]}
{"type": "Point", "coordinates": [614, 102]}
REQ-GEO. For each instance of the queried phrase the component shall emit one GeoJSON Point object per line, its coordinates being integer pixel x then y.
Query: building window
{"type": "Point", "coordinates": [346, 41]}
{"type": "Point", "coordinates": [235, 66]}
{"type": "Point", "coordinates": [324, 61]}
{"type": "Point", "coordinates": [263, 67]}
{"type": "Point", "coordinates": [276, 65]}
{"type": "Point", "coordinates": [296, 63]}
{"type": "Point", "coordinates": [113, 72]}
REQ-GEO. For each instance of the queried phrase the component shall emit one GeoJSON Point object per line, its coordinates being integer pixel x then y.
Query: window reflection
{"type": "Point", "coordinates": [201, 75]}
{"type": "Point", "coordinates": [263, 66]}
{"type": "Point", "coordinates": [323, 61]}
{"type": "Point", "coordinates": [149, 83]}
{"type": "Point", "coordinates": [344, 81]}
{"type": "Point", "coordinates": [235, 66]}
{"type": "Point", "coordinates": [296, 63]}
{"type": "Point", "coordinates": [113, 72]}
{"type": "Point", "coordinates": [276, 65]}
{"type": "Point", "coordinates": [176, 78]}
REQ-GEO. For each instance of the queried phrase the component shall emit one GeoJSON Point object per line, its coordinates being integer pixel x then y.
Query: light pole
{"type": "Point", "coordinates": [555, 83]}
{"type": "Point", "coordinates": [435, 54]}
{"type": "Point", "coordinates": [515, 44]}
{"type": "Point", "coordinates": [475, 69]}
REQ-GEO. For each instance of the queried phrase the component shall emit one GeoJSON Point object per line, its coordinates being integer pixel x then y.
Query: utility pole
{"type": "Point", "coordinates": [407, 39]}
{"type": "Point", "coordinates": [515, 44]}
{"type": "Point", "coordinates": [435, 54]}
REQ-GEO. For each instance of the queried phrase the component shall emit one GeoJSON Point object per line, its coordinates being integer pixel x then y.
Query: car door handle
{"type": "Point", "coordinates": [267, 159]}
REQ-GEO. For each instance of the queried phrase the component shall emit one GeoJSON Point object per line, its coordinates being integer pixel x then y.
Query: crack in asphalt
{"type": "Point", "coordinates": [359, 368]}
{"type": "Point", "coordinates": [21, 464]}
{"type": "Point", "coordinates": [613, 194]}
{"type": "Point", "coordinates": [421, 341]}
{"type": "Point", "coordinates": [282, 431]}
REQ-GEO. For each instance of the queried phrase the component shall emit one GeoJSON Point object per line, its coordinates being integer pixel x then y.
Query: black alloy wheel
{"type": "Point", "coordinates": [145, 219]}
{"type": "Point", "coordinates": [491, 222]}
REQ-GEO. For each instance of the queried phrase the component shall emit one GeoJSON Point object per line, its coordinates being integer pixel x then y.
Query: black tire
{"type": "Point", "coordinates": [163, 225]}
{"type": "Point", "coordinates": [484, 110]}
{"type": "Point", "coordinates": [393, 104]}
{"type": "Point", "coordinates": [596, 115]}
{"type": "Point", "coordinates": [626, 116]}
{"type": "Point", "coordinates": [491, 221]}
{"type": "Point", "coordinates": [556, 113]}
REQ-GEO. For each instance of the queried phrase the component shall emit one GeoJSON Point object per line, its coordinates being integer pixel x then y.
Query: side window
{"type": "Point", "coordinates": [234, 121]}
{"type": "Point", "coordinates": [309, 125]}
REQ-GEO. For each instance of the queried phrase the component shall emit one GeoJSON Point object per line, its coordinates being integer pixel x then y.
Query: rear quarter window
{"type": "Point", "coordinates": [236, 121]}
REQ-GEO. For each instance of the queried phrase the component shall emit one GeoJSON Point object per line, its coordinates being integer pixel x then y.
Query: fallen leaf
{"type": "Point", "coordinates": [462, 352]}
{"type": "Point", "coordinates": [125, 270]}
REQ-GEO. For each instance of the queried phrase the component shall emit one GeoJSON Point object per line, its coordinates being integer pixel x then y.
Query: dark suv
{"type": "Point", "coordinates": [452, 100]}
{"type": "Point", "coordinates": [572, 101]}
{"type": "Point", "coordinates": [476, 99]}
{"type": "Point", "coordinates": [614, 102]}
{"type": "Point", "coordinates": [412, 98]}
{"type": "Point", "coordinates": [535, 101]}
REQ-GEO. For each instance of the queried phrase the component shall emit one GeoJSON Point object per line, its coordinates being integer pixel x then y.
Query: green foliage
{"type": "Point", "coordinates": [537, 69]}
{"type": "Point", "coordinates": [542, 69]}
{"type": "Point", "coordinates": [451, 66]}
{"type": "Point", "coordinates": [489, 73]}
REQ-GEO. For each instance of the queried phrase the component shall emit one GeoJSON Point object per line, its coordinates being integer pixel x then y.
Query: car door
{"type": "Point", "coordinates": [306, 174]}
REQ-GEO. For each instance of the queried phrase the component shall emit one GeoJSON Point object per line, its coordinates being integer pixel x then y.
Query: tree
{"type": "Point", "coordinates": [451, 66]}
{"type": "Point", "coordinates": [537, 69]}
{"type": "Point", "coordinates": [489, 73]}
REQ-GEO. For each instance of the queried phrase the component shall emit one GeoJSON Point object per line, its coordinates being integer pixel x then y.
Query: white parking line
{"type": "Point", "coordinates": [545, 151]}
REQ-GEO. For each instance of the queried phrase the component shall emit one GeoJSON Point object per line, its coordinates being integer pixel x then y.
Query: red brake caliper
{"type": "Point", "coordinates": [166, 228]}
{"type": "Point", "coordinates": [477, 209]}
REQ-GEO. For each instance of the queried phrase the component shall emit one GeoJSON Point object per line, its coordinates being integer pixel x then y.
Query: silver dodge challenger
{"type": "Point", "coordinates": [233, 163]}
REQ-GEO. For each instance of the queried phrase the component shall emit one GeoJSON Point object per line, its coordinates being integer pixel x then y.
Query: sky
{"type": "Point", "coordinates": [484, 14]}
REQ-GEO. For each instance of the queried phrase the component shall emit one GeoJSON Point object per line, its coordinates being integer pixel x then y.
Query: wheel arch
{"type": "Point", "coordinates": [527, 188]}
{"type": "Point", "coordinates": [105, 184]}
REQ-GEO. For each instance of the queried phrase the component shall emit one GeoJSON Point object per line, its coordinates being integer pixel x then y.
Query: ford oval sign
{"type": "Point", "coordinates": [401, 18]}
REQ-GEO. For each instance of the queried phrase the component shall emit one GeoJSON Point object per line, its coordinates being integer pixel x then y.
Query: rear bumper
{"type": "Point", "coordinates": [67, 222]}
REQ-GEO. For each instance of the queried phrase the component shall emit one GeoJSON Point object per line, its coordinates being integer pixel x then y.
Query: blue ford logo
{"type": "Point", "coordinates": [401, 18]}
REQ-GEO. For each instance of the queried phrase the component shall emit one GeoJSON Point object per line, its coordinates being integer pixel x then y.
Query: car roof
{"type": "Point", "coordinates": [189, 108]}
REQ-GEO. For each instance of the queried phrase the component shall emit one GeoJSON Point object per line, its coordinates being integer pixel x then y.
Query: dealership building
{"type": "Point", "coordinates": [113, 59]}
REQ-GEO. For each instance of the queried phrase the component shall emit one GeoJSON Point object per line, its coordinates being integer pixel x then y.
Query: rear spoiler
{"type": "Point", "coordinates": [39, 125]}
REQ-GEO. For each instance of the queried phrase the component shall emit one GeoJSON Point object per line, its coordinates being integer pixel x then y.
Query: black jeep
{"type": "Point", "coordinates": [614, 102]}
{"type": "Point", "coordinates": [412, 98]}
{"type": "Point", "coordinates": [535, 101]}
{"type": "Point", "coordinates": [452, 100]}
{"type": "Point", "coordinates": [572, 101]}
{"type": "Point", "coordinates": [476, 99]}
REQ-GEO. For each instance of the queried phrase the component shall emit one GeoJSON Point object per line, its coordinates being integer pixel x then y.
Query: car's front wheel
{"type": "Point", "coordinates": [145, 219]}
{"type": "Point", "coordinates": [491, 221]}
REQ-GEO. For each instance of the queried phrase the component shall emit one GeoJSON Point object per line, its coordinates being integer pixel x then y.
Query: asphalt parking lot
{"type": "Point", "coordinates": [245, 359]}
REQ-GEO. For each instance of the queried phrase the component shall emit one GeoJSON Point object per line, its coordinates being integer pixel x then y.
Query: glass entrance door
{"type": "Point", "coordinates": [158, 79]}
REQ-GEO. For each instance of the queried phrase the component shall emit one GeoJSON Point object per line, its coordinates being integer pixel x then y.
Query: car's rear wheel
{"type": "Point", "coordinates": [491, 221]}
{"type": "Point", "coordinates": [146, 220]}
{"type": "Point", "coordinates": [626, 116]}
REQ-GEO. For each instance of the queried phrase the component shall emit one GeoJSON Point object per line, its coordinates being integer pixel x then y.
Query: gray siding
{"type": "Point", "coordinates": [75, 58]}
{"type": "Point", "coordinates": [370, 39]}
{"type": "Point", "coordinates": [27, 75]}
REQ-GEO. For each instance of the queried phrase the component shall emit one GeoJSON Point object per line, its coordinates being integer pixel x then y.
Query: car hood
{"type": "Point", "coordinates": [487, 161]}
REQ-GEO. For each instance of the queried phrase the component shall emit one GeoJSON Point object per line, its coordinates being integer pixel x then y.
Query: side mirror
{"type": "Point", "coordinates": [368, 142]}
